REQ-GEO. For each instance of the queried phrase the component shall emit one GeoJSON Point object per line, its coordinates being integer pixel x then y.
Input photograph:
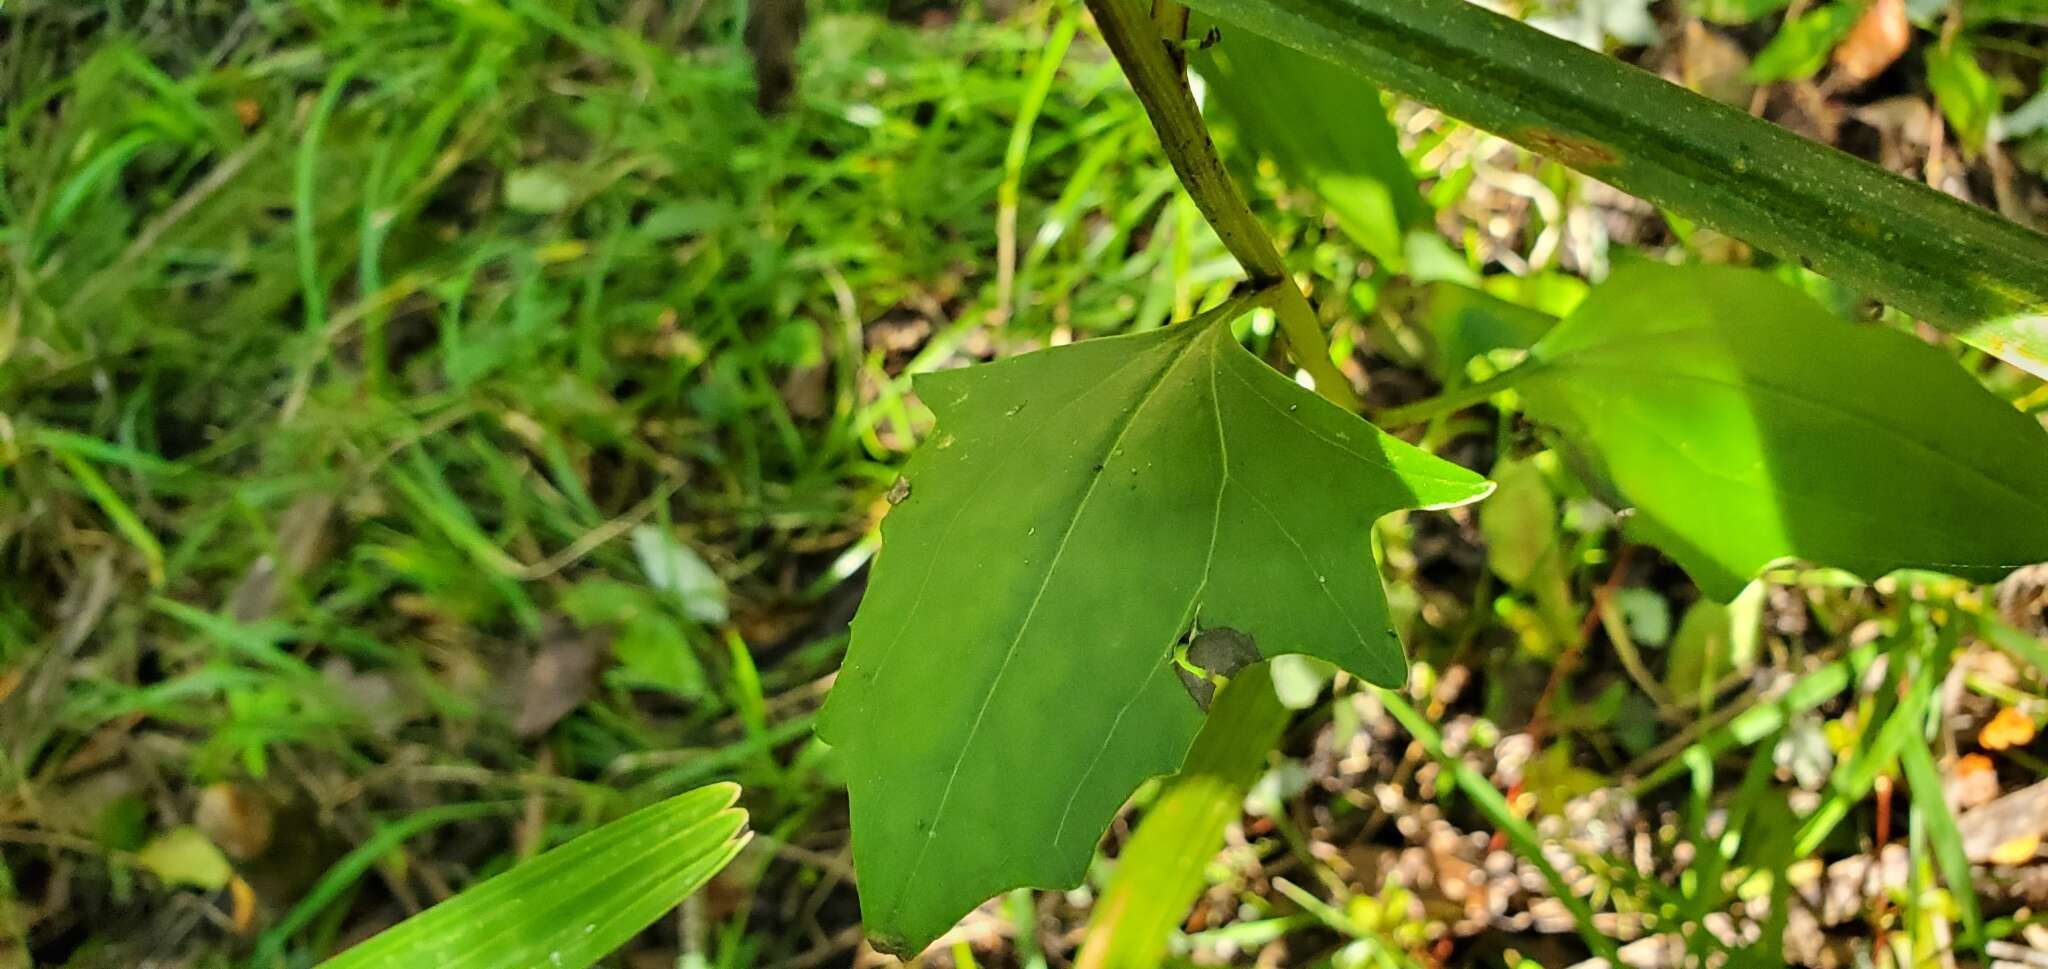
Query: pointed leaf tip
{"type": "Point", "coordinates": [1077, 511]}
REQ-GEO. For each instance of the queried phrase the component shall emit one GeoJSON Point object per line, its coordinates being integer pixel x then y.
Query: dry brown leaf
{"type": "Point", "coordinates": [2010, 728]}
{"type": "Point", "coordinates": [806, 393]}
{"type": "Point", "coordinates": [2023, 600]}
{"type": "Point", "coordinates": [237, 819]}
{"type": "Point", "coordinates": [302, 539]}
{"type": "Point", "coordinates": [2016, 815]}
{"type": "Point", "coordinates": [559, 680]}
{"type": "Point", "coordinates": [1974, 782]}
{"type": "Point", "coordinates": [1714, 65]}
{"type": "Point", "coordinates": [1877, 40]}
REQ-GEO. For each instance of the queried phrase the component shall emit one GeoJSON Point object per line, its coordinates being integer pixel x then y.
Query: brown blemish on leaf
{"type": "Point", "coordinates": [1580, 153]}
{"type": "Point", "coordinates": [1218, 652]}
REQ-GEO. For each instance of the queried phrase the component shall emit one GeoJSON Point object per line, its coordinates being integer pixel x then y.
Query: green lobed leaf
{"type": "Point", "coordinates": [1010, 678]}
{"type": "Point", "coordinates": [570, 906]}
{"type": "Point", "coordinates": [1959, 266]}
{"type": "Point", "coordinates": [1745, 424]}
{"type": "Point", "coordinates": [1327, 130]}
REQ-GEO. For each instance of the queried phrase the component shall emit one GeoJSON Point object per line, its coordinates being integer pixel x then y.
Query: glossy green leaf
{"type": "Point", "coordinates": [570, 906]}
{"type": "Point", "coordinates": [1326, 129]}
{"type": "Point", "coordinates": [1010, 678]}
{"type": "Point", "coordinates": [1713, 640]}
{"type": "Point", "coordinates": [1968, 96]}
{"type": "Point", "coordinates": [1745, 424]}
{"type": "Point", "coordinates": [1466, 323]}
{"type": "Point", "coordinates": [1802, 45]}
{"type": "Point", "coordinates": [1961, 267]}
{"type": "Point", "coordinates": [1525, 545]}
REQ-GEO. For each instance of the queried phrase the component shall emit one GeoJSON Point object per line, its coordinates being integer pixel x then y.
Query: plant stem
{"type": "Point", "coordinates": [1160, 79]}
{"type": "Point", "coordinates": [1160, 871]}
{"type": "Point", "coordinates": [1958, 266]}
{"type": "Point", "coordinates": [1452, 400]}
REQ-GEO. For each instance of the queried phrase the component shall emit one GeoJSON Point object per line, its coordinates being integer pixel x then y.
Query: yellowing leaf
{"type": "Point", "coordinates": [1011, 679]}
{"type": "Point", "coordinates": [1554, 780]}
{"type": "Point", "coordinates": [183, 857]}
{"type": "Point", "coordinates": [2018, 851]}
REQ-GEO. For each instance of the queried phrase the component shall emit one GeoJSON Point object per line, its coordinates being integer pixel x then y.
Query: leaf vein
{"type": "Point", "coordinates": [1052, 568]}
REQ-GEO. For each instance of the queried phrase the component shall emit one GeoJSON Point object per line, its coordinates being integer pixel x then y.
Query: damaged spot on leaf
{"type": "Point", "coordinates": [1580, 153]}
{"type": "Point", "coordinates": [1215, 656]}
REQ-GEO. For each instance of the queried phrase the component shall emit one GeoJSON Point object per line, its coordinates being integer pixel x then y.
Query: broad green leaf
{"type": "Point", "coordinates": [1745, 424]}
{"type": "Point", "coordinates": [1525, 548]}
{"type": "Point", "coordinates": [1802, 45]}
{"type": "Point", "coordinates": [1713, 640]}
{"type": "Point", "coordinates": [1959, 266]}
{"type": "Point", "coordinates": [569, 907]}
{"type": "Point", "coordinates": [1968, 97]}
{"type": "Point", "coordinates": [1467, 323]}
{"type": "Point", "coordinates": [1326, 129]}
{"type": "Point", "coordinates": [1079, 510]}
{"type": "Point", "coordinates": [653, 651]}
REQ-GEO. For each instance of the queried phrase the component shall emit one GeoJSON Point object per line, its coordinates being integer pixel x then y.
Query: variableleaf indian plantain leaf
{"type": "Point", "coordinates": [1325, 127]}
{"type": "Point", "coordinates": [1956, 265]}
{"type": "Point", "coordinates": [1746, 424]}
{"type": "Point", "coordinates": [1011, 676]}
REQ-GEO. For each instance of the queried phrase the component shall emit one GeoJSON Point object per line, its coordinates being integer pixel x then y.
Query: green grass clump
{"type": "Point", "coordinates": [353, 355]}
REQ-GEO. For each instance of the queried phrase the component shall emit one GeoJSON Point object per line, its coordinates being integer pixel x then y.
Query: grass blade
{"type": "Point", "coordinates": [572, 905]}
{"type": "Point", "coordinates": [1521, 835]}
{"type": "Point", "coordinates": [1160, 871]}
{"type": "Point", "coordinates": [1924, 782]}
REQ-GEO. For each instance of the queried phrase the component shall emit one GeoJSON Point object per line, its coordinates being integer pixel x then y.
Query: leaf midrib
{"type": "Point", "coordinates": [1052, 568]}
